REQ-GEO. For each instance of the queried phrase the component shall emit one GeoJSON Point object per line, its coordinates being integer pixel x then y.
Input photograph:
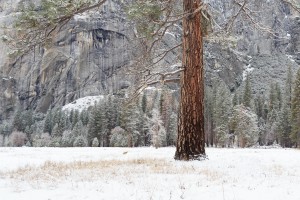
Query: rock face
{"type": "Point", "coordinates": [82, 60]}
{"type": "Point", "coordinates": [86, 54]}
{"type": "Point", "coordinates": [263, 47]}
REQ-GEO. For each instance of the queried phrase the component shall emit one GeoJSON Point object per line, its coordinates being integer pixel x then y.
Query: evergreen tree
{"type": "Point", "coordinates": [119, 137]}
{"type": "Point", "coordinates": [48, 122]}
{"type": "Point", "coordinates": [71, 115]}
{"type": "Point", "coordinates": [55, 137]}
{"type": "Point", "coordinates": [84, 117]}
{"type": "Point", "coordinates": [56, 116]}
{"type": "Point", "coordinates": [295, 134]}
{"type": "Point", "coordinates": [102, 123]}
{"type": "Point", "coordinates": [208, 114]}
{"type": "Point", "coordinates": [235, 100]}
{"type": "Point", "coordinates": [29, 131]}
{"type": "Point", "coordinates": [284, 126]}
{"type": "Point", "coordinates": [130, 123]}
{"type": "Point", "coordinates": [278, 96]}
{"type": "Point", "coordinates": [17, 122]}
{"type": "Point", "coordinates": [271, 134]}
{"type": "Point", "coordinates": [288, 87]}
{"type": "Point", "coordinates": [26, 119]}
{"type": "Point", "coordinates": [78, 129]}
{"type": "Point", "coordinates": [284, 123]}
{"type": "Point", "coordinates": [62, 124]}
{"type": "Point", "coordinates": [80, 141]}
{"type": "Point", "coordinates": [111, 115]}
{"type": "Point", "coordinates": [172, 130]}
{"type": "Point", "coordinates": [259, 107]}
{"type": "Point", "coordinates": [98, 123]}
{"type": "Point", "coordinates": [247, 93]}
{"type": "Point", "coordinates": [221, 115]}
{"type": "Point", "coordinates": [67, 139]}
{"type": "Point", "coordinates": [92, 127]}
{"type": "Point", "coordinates": [144, 103]}
{"type": "Point", "coordinates": [272, 97]}
{"type": "Point", "coordinates": [265, 109]}
{"type": "Point", "coordinates": [75, 118]}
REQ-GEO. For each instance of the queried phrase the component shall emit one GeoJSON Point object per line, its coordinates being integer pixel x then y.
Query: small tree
{"type": "Point", "coordinates": [56, 137]}
{"type": "Point", "coordinates": [118, 137]}
{"type": "Point", "coordinates": [80, 141]}
{"type": "Point", "coordinates": [95, 142]}
{"type": "Point", "coordinates": [41, 140]}
{"type": "Point", "coordinates": [67, 139]}
{"type": "Point", "coordinates": [244, 125]}
{"type": "Point", "coordinates": [172, 129]}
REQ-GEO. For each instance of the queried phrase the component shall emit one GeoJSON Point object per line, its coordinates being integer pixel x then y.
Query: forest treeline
{"type": "Point", "coordinates": [241, 119]}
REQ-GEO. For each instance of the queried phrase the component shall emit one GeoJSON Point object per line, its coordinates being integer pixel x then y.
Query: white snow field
{"type": "Point", "coordinates": [148, 173]}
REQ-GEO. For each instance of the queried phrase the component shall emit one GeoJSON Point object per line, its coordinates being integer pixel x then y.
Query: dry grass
{"type": "Point", "coordinates": [92, 170]}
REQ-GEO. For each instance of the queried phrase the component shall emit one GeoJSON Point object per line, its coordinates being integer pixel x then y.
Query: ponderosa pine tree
{"type": "Point", "coordinates": [191, 137]}
{"type": "Point", "coordinates": [37, 25]}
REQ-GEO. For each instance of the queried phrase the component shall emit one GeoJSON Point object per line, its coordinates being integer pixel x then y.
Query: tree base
{"type": "Point", "coordinates": [184, 157]}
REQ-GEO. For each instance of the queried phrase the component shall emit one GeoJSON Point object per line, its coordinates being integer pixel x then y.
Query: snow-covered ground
{"type": "Point", "coordinates": [148, 173]}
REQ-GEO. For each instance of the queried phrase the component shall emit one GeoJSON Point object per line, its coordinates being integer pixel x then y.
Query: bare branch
{"type": "Point", "coordinates": [293, 5]}
{"type": "Point", "coordinates": [229, 25]}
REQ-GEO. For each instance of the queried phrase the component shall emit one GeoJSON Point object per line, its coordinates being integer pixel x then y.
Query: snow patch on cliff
{"type": "Point", "coordinates": [247, 71]}
{"type": "Point", "coordinates": [82, 103]}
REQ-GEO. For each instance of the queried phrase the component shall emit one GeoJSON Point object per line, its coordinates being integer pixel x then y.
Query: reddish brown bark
{"type": "Point", "coordinates": [191, 138]}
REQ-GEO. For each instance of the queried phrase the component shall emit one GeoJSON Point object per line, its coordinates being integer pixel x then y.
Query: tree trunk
{"type": "Point", "coordinates": [191, 138]}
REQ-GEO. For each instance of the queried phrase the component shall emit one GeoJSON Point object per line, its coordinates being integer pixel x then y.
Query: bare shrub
{"type": "Point", "coordinates": [17, 139]}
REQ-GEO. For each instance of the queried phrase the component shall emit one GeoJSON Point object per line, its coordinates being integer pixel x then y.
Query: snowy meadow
{"type": "Point", "coordinates": [148, 173]}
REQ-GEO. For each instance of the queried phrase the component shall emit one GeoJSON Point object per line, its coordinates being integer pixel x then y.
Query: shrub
{"type": "Point", "coordinates": [17, 139]}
